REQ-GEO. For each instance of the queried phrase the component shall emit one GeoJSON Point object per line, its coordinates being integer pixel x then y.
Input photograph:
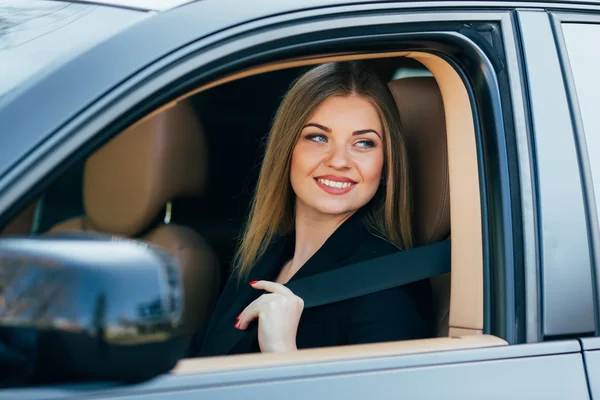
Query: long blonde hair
{"type": "Point", "coordinates": [272, 209]}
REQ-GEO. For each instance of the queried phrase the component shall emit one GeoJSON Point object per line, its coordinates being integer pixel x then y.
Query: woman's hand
{"type": "Point", "coordinates": [278, 314]}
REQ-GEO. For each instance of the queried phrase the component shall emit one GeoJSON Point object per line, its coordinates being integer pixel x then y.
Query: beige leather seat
{"type": "Point", "coordinates": [421, 109]}
{"type": "Point", "coordinates": [22, 223]}
{"type": "Point", "coordinates": [127, 189]}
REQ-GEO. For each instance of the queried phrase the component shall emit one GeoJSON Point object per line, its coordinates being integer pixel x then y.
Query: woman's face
{"type": "Point", "coordinates": [338, 159]}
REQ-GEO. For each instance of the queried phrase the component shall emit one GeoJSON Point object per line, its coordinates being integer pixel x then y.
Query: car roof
{"type": "Point", "coordinates": [146, 5]}
{"type": "Point", "coordinates": [162, 5]}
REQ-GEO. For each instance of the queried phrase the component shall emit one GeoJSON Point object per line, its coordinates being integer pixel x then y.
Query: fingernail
{"type": "Point", "coordinates": [253, 282]}
{"type": "Point", "coordinates": [238, 317]}
{"type": "Point", "coordinates": [237, 325]}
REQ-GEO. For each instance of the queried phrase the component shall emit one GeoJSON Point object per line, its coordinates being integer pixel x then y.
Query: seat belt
{"type": "Point", "coordinates": [374, 275]}
{"type": "Point", "coordinates": [370, 276]}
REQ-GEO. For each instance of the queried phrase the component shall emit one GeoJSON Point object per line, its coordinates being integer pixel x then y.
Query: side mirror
{"type": "Point", "coordinates": [88, 307]}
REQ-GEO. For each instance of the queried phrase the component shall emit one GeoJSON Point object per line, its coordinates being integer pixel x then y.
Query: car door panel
{"type": "Point", "coordinates": [556, 377]}
{"type": "Point", "coordinates": [544, 371]}
{"type": "Point", "coordinates": [591, 356]}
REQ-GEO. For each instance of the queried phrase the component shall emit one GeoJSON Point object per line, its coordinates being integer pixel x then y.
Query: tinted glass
{"type": "Point", "coordinates": [37, 34]}
{"type": "Point", "coordinates": [582, 40]}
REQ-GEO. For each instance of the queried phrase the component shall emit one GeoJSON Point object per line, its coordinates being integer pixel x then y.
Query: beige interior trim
{"type": "Point", "coordinates": [291, 64]}
{"type": "Point", "coordinates": [458, 332]}
{"type": "Point", "coordinates": [155, 112]}
{"type": "Point", "coordinates": [328, 354]}
{"type": "Point", "coordinates": [466, 294]}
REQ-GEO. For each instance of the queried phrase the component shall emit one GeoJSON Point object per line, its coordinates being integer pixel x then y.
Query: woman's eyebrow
{"type": "Point", "coordinates": [363, 131]}
{"type": "Point", "coordinates": [323, 128]}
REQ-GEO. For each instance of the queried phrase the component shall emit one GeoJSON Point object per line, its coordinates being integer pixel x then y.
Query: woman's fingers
{"type": "Point", "coordinates": [278, 313]}
{"type": "Point", "coordinates": [272, 287]}
{"type": "Point", "coordinates": [278, 303]}
{"type": "Point", "coordinates": [251, 312]}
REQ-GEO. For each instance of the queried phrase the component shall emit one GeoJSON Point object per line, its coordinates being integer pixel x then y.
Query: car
{"type": "Point", "coordinates": [146, 120]}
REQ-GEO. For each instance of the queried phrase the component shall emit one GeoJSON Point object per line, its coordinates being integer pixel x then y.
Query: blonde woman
{"type": "Point", "coordinates": [333, 190]}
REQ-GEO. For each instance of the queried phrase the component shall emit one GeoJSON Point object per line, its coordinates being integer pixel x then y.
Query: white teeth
{"type": "Point", "coordinates": [333, 184]}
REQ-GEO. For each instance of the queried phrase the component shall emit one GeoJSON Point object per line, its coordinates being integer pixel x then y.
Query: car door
{"type": "Point", "coordinates": [580, 68]}
{"type": "Point", "coordinates": [527, 156]}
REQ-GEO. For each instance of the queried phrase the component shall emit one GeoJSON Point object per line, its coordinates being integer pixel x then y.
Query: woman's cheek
{"type": "Point", "coordinates": [371, 167]}
{"type": "Point", "coordinates": [307, 156]}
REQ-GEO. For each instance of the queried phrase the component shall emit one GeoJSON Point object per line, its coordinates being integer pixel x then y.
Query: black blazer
{"type": "Point", "coordinates": [394, 314]}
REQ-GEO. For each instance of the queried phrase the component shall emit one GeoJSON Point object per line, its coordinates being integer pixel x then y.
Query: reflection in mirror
{"type": "Point", "coordinates": [81, 306]}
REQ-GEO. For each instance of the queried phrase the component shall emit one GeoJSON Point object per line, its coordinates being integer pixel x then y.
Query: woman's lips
{"type": "Point", "coordinates": [335, 190]}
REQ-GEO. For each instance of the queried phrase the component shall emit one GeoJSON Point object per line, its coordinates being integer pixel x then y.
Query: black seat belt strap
{"type": "Point", "coordinates": [374, 275]}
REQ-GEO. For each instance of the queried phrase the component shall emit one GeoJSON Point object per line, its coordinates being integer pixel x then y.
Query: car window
{"type": "Point", "coordinates": [35, 35]}
{"type": "Point", "coordinates": [585, 64]}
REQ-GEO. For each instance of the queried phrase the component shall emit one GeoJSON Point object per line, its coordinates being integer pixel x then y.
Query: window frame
{"type": "Point", "coordinates": [530, 291]}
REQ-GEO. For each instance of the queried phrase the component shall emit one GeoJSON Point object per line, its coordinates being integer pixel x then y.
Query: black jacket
{"type": "Point", "coordinates": [395, 314]}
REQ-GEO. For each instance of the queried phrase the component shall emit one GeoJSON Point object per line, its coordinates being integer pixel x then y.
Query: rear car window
{"type": "Point", "coordinates": [36, 35]}
{"type": "Point", "coordinates": [585, 64]}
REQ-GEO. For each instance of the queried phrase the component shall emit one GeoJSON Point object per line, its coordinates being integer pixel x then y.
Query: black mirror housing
{"type": "Point", "coordinates": [88, 307]}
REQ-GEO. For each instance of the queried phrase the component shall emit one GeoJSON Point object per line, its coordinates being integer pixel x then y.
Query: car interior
{"type": "Point", "coordinates": [183, 178]}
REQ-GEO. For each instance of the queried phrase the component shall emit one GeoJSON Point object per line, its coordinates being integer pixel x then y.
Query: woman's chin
{"type": "Point", "coordinates": [321, 205]}
{"type": "Point", "coordinates": [335, 210]}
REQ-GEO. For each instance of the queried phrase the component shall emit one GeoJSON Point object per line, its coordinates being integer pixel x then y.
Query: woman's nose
{"type": "Point", "coordinates": [338, 157]}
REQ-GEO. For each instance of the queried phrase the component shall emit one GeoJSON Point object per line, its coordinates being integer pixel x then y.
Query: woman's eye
{"type": "Point", "coordinates": [365, 144]}
{"type": "Point", "coordinates": [317, 138]}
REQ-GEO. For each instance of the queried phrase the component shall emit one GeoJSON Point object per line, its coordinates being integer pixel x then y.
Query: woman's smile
{"type": "Point", "coordinates": [335, 184]}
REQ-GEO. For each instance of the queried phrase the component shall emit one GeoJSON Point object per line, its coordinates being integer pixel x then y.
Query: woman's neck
{"type": "Point", "coordinates": [312, 230]}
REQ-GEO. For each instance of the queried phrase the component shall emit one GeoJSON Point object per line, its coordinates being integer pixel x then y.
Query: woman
{"type": "Point", "coordinates": [333, 190]}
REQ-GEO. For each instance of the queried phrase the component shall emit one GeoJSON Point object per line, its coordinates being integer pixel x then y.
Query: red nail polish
{"type": "Point", "coordinates": [253, 282]}
{"type": "Point", "coordinates": [238, 317]}
{"type": "Point", "coordinates": [237, 325]}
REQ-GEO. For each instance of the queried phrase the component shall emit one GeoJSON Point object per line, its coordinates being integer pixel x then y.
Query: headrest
{"type": "Point", "coordinates": [128, 182]}
{"type": "Point", "coordinates": [421, 110]}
